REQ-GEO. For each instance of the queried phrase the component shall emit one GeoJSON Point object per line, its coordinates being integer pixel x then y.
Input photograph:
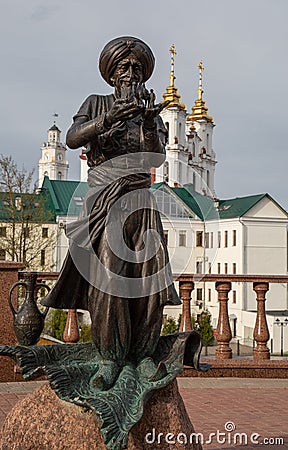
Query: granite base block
{"type": "Point", "coordinates": [41, 421]}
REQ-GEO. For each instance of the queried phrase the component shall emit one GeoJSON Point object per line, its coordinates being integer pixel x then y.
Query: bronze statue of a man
{"type": "Point", "coordinates": [117, 266]}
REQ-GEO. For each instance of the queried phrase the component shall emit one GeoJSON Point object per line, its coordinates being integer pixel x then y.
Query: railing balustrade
{"type": "Point", "coordinates": [223, 285]}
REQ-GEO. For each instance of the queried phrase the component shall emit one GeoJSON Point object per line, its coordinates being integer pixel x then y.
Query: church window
{"type": "Point", "coordinates": [208, 179]}
{"type": "Point", "coordinates": [45, 173]}
{"type": "Point", "coordinates": [166, 171]}
{"type": "Point", "coordinates": [182, 238]}
{"type": "Point", "coordinates": [179, 130]}
{"type": "Point", "coordinates": [219, 239]}
{"type": "Point", "coordinates": [59, 176]}
{"type": "Point", "coordinates": [193, 149]}
{"type": "Point", "coordinates": [226, 239]}
{"type": "Point", "coordinates": [199, 238]}
{"type": "Point", "coordinates": [42, 258]}
{"type": "Point", "coordinates": [198, 266]}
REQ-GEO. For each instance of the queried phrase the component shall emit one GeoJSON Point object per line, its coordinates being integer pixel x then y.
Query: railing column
{"type": "Point", "coordinates": [223, 333]}
{"type": "Point", "coordinates": [185, 288]}
{"type": "Point", "coordinates": [71, 333]}
{"type": "Point", "coordinates": [261, 332]}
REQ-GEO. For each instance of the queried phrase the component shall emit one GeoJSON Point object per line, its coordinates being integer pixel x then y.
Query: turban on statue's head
{"type": "Point", "coordinates": [121, 48]}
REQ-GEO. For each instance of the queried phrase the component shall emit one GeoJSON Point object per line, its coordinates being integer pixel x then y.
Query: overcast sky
{"type": "Point", "coordinates": [49, 63]}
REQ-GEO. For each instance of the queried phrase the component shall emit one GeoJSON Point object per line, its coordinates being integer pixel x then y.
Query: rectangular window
{"type": "Point", "coordinates": [219, 268]}
{"type": "Point", "coordinates": [198, 266]}
{"type": "Point", "coordinates": [226, 239]}
{"type": "Point", "coordinates": [209, 295]}
{"type": "Point", "coordinates": [2, 231]}
{"type": "Point", "coordinates": [233, 296]}
{"type": "Point", "coordinates": [182, 238]}
{"type": "Point", "coordinates": [199, 294]}
{"type": "Point", "coordinates": [206, 240]}
{"type": "Point", "coordinates": [211, 240]}
{"type": "Point", "coordinates": [234, 239]}
{"type": "Point", "coordinates": [44, 232]}
{"type": "Point", "coordinates": [219, 239]}
{"type": "Point", "coordinates": [234, 269]}
{"type": "Point", "coordinates": [2, 254]}
{"type": "Point", "coordinates": [199, 238]}
{"type": "Point", "coordinates": [226, 268]}
{"type": "Point", "coordinates": [42, 260]}
{"type": "Point", "coordinates": [26, 232]}
{"type": "Point", "coordinates": [166, 236]}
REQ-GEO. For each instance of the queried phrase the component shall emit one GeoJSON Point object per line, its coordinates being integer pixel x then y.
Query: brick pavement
{"type": "Point", "coordinates": [252, 405]}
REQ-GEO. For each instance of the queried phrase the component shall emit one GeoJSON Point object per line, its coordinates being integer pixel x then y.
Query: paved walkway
{"type": "Point", "coordinates": [258, 408]}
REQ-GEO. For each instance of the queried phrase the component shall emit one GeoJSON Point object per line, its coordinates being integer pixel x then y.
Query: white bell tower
{"type": "Point", "coordinates": [53, 161]}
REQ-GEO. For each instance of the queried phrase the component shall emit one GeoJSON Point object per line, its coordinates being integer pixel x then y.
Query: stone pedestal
{"type": "Point", "coordinates": [43, 421]}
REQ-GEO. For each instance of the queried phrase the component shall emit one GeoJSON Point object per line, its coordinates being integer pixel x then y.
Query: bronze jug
{"type": "Point", "coordinates": [28, 320]}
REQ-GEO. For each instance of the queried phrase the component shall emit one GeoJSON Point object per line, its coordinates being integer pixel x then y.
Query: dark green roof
{"type": "Point", "coordinates": [33, 207]}
{"type": "Point", "coordinates": [237, 207]}
{"type": "Point", "coordinates": [67, 196]}
{"type": "Point", "coordinates": [54, 128]}
{"type": "Point", "coordinates": [201, 205]}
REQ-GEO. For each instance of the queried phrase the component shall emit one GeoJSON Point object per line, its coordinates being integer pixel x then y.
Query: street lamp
{"type": "Point", "coordinates": [281, 324]}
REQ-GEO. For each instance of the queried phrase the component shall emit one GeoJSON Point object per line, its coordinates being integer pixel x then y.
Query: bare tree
{"type": "Point", "coordinates": [27, 233]}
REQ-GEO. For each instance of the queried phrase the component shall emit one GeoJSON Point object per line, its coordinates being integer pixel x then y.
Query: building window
{"type": "Point", "coordinates": [234, 269]}
{"type": "Point", "coordinates": [166, 171]}
{"type": "Point", "coordinates": [2, 231]}
{"type": "Point", "coordinates": [2, 254]}
{"type": "Point", "coordinates": [59, 176]}
{"type": "Point", "coordinates": [26, 232]}
{"type": "Point", "coordinates": [219, 239]}
{"type": "Point", "coordinates": [182, 238]}
{"type": "Point", "coordinates": [206, 240]}
{"type": "Point", "coordinates": [42, 260]}
{"type": "Point", "coordinates": [226, 268]}
{"type": "Point", "coordinates": [219, 268]}
{"type": "Point", "coordinates": [211, 240]}
{"type": "Point", "coordinates": [199, 238]}
{"type": "Point", "coordinates": [209, 295]}
{"type": "Point", "coordinates": [44, 232]}
{"type": "Point", "coordinates": [233, 296]}
{"type": "Point", "coordinates": [234, 239]}
{"type": "Point", "coordinates": [166, 236]}
{"type": "Point", "coordinates": [226, 239]}
{"type": "Point", "coordinates": [199, 294]}
{"type": "Point", "coordinates": [198, 266]}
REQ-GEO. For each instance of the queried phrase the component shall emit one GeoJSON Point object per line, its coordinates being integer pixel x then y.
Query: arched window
{"type": "Point", "coordinates": [59, 177]}
{"type": "Point", "coordinates": [208, 178]}
{"type": "Point", "coordinates": [166, 171]}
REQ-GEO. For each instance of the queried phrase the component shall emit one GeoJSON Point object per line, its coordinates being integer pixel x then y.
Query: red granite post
{"type": "Point", "coordinates": [186, 288]}
{"type": "Point", "coordinates": [71, 333]}
{"type": "Point", "coordinates": [223, 333]}
{"type": "Point", "coordinates": [8, 276]}
{"type": "Point", "coordinates": [261, 331]}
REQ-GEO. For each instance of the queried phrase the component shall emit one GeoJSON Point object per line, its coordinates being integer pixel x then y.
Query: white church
{"type": "Point", "coordinates": [243, 235]}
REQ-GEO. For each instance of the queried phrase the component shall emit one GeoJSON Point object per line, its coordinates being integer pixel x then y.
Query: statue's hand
{"type": "Point", "coordinates": [122, 110]}
{"type": "Point", "coordinates": [151, 113]}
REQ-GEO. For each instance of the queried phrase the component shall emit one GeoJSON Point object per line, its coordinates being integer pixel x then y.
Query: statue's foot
{"type": "Point", "coordinates": [106, 375]}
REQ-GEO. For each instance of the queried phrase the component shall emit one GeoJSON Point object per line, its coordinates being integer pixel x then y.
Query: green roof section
{"type": "Point", "coordinates": [67, 196]}
{"type": "Point", "coordinates": [237, 207]}
{"type": "Point", "coordinates": [32, 207]}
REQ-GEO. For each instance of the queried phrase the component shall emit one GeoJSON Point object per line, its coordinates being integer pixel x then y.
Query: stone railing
{"type": "Point", "coordinates": [223, 284]}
